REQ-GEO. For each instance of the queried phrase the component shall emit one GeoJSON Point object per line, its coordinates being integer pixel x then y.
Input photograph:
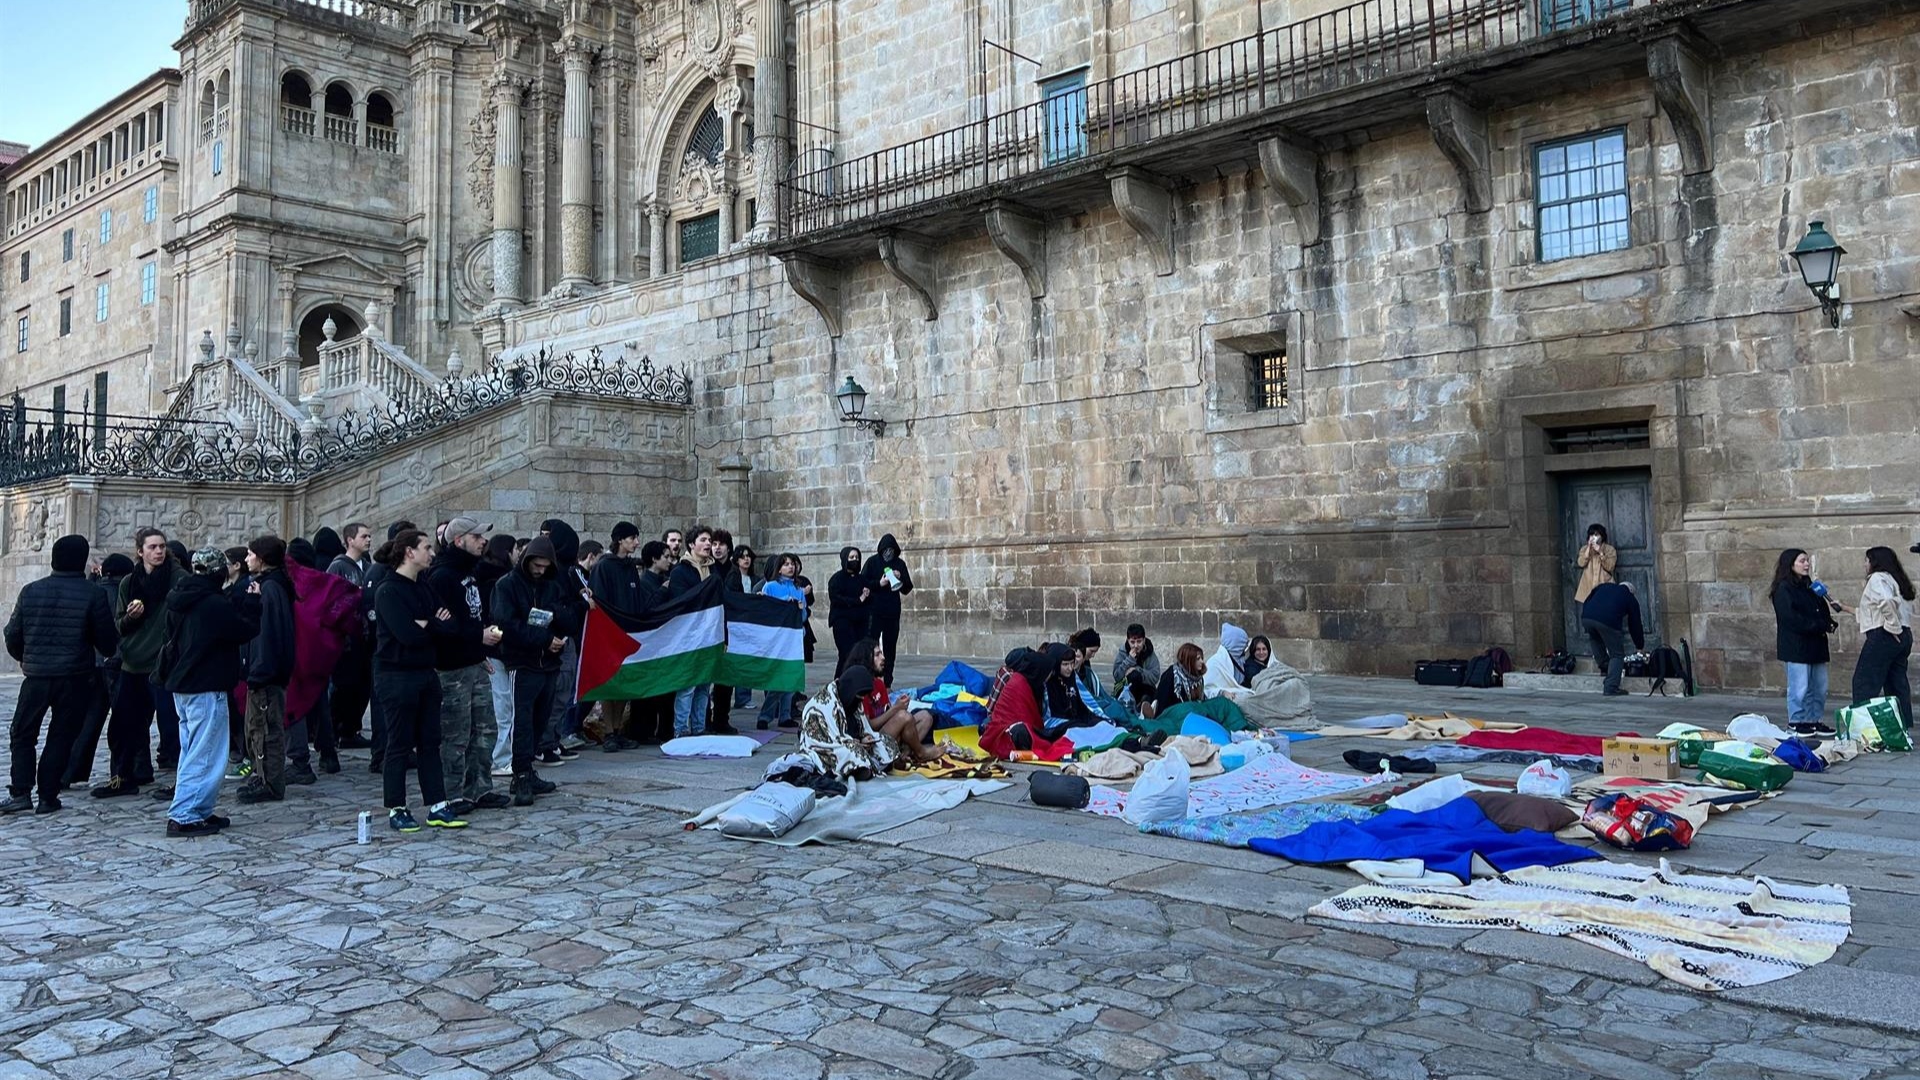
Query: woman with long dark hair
{"type": "Point", "coordinates": [407, 619]}
{"type": "Point", "coordinates": [1885, 617]}
{"type": "Point", "coordinates": [1804, 622]}
{"type": "Point", "coordinates": [1184, 680]}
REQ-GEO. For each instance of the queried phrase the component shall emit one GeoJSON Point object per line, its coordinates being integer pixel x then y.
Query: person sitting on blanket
{"type": "Point", "coordinates": [887, 711]}
{"type": "Point", "coordinates": [1065, 707]}
{"type": "Point", "coordinates": [835, 731]}
{"type": "Point", "coordinates": [1017, 711]}
{"type": "Point", "coordinates": [1136, 671]}
{"type": "Point", "coordinates": [1086, 678]}
{"type": "Point", "coordinates": [1259, 655]}
{"type": "Point", "coordinates": [1184, 679]}
{"type": "Point", "coordinates": [1226, 670]}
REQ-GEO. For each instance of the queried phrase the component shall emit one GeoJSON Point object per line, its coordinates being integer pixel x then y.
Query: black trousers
{"type": "Point", "coordinates": [845, 637]}
{"type": "Point", "coordinates": [106, 682]}
{"type": "Point", "coordinates": [135, 708]}
{"type": "Point", "coordinates": [1881, 670]}
{"type": "Point", "coordinates": [410, 701]}
{"type": "Point", "coordinates": [650, 720]}
{"type": "Point", "coordinates": [1609, 650]}
{"type": "Point", "coordinates": [532, 698]}
{"type": "Point", "coordinates": [721, 703]}
{"type": "Point", "coordinates": [886, 630]}
{"type": "Point", "coordinates": [352, 687]}
{"type": "Point", "coordinates": [67, 698]}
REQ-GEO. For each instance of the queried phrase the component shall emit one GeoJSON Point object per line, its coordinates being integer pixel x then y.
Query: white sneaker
{"type": "Point", "coordinates": [508, 771]}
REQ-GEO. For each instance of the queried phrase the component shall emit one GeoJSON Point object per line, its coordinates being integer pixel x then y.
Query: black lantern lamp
{"type": "Point", "coordinates": [1819, 259]}
{"type": "Point", "coordinates": [853, 407]}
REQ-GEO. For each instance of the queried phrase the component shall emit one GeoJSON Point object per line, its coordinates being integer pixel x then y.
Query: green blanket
{"type": "Point", "coordinates": [1218, 709]}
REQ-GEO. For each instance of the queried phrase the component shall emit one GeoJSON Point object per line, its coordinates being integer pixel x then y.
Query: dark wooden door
{"type": "Point", "coordinates": [1623, 502]}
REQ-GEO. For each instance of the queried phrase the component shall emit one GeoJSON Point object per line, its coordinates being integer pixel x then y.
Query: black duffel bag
{"type": "Point", "coordinates": [1440, 672]}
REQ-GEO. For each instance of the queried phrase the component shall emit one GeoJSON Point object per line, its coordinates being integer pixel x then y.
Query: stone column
{"type": "Point", "coordinates": [726, 190]}
{"type": "Point", "coordinates": [289, 342]}
{"type": "Point", "coordinates": [616, 76]}
{"type": "Point", "coordinates": [656, 237]}
{"type": "Point", "coordinates": [736, 475]}
{"type": "Point", "coordinates": [770, 143]}
{"type": "Point", "coordinates": [576, 163]}
{"type": "Point", "coordinates": [507, 199]}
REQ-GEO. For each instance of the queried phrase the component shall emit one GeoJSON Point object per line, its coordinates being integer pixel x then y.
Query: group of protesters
{"type": "Point", "coordinates": [454, 647]}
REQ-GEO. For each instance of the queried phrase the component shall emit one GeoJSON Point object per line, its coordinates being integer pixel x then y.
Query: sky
{"type": "Point", "coordinates": [62, 59]}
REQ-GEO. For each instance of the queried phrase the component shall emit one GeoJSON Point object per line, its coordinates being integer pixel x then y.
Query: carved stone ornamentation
{"type": "Point", "coordinates": [699, 180]}
{"type": "Point", "coordinates": [480, 135]}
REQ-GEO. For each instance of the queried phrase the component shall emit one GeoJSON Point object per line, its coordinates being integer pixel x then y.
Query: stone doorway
{"type": "Point", "coordinates": [1622, 500]}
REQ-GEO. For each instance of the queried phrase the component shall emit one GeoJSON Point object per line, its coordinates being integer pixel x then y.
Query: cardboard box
{"type": "Point", "coordinates": [1648, 759]}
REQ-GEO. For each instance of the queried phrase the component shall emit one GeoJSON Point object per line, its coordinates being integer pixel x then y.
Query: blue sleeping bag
{"type": "Point", "coordinates": [953, 678]}
{"type": "Point", "coordinates": [1446, 838]}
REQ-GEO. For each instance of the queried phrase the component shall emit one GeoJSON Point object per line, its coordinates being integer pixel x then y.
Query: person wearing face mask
{"type": "Point", "coordinates": [531, 607]}
{"type": "Point", "coordinates": [850, 613]}
{"type": "Point", "coordinates": [887, 580]}
{"type": "Point", "coordinates": [690, 705]}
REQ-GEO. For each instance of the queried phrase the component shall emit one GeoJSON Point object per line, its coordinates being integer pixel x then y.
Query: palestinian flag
{"type": "Point", "coordinates": [676, 645]}
{"type": "Point", "coordinates": [705, 636]}
{"type": "Point", "coordinates": [766, 644]}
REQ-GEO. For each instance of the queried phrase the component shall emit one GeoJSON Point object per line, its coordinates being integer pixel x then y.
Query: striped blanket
{"type": "Point", "coordinates": [1705, 931]}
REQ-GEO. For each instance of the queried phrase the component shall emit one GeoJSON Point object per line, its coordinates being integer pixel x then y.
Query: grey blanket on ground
{"type": "Point", "coordinates": [1448, 753]}
{"type": "Point", "coordinates": [1279, 699]}
{"type": "Point", "coordinates": [869, 807]}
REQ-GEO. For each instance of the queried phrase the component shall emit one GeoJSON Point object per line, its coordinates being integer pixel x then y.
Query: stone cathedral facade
{"type": "Point", "coordinates": [1337, 321]}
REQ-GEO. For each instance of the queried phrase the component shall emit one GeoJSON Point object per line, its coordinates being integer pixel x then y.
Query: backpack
{"type": "Point", "coordinates": [1663, 664]}
{"type": "Point", "coordinates": [1560, 662]}
{"type": "Point", "coordinates": [1485, 670]}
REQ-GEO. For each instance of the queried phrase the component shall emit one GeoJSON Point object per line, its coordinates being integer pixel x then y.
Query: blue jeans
{"type": "Point", "coordinates": [690, 710]}
{"type": "Point", "coordinates": [203, 755]}
{"type": "Point", "coordinates": [1806, 693]}
{"type": "Point", "coordinates": [778, 707]}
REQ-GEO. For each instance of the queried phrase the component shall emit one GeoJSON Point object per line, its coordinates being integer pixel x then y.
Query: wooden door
{"type": "Point", "coordinates": [1623, 502]}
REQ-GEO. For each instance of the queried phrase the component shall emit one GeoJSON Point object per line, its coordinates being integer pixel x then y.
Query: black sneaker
{"type": "Point", "coordinates": [167, 764]}
{"type": "Point", "coordinates": [542, 787]}
{"type": "Point", "coordinates": [329, 762]}
{"type": "Point", "coordinates": [458, 808]}
{"type": "Point", "coordinates": [376, 766]}
{"type": "Point", "coordinates": [301, 774]}
{"type": "Point", "coordinates": [445, 819]}
{"type": "Point", "coordinates": [48, 804]}
{"type": "Point", "coordinates": [1617, 693]}
{"type": "Point", "coordinates": [523, 791]}
{"type": "Point", "coordinates": [260, 794]}
{"type": "Point", "coordinates": [16, 804]}
{"type": "Point", "coordinates": [355, 741]}
{"type": "Point", "coordinates": [552, 759]}
{"type": "Point", "coordinates": [402, 821]}
{"type": "Point", "coordinates": [761, 725]}
{"type": "Point", "coordinates": [198, 828]}
{"type": "Point", "coordinates": [722, 727]}
{"type": "Point", "coordinates": [567, 753]}
{"type": "Point", "coordinates": [790, 722]}
{"type": "Point", "coordinates": [115, 788]}
{"type": "Point", "coordinates": [492, 800]}
{"type": "Point", "coordinates": [218, 821]}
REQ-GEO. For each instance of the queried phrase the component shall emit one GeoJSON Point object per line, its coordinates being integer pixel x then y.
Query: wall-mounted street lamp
{"type": "Point", "coordinates": [1819, 259]}
{"type": "Point", "coordinates": [853, 407]}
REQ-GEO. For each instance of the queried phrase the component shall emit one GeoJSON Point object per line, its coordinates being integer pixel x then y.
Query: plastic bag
{"type": "Point", "coordinates": [767, 811]}
{"type": "Point", "coordinates": [1875, 725]}
{"type": "Point", "coordinates": [1755, 726]}
{"type": "Point", "coordinates": [1545, 779]}
{"type": "Point", "coordinates": [1161, 792]}
{"type": "Point", "coordinates": [1627, 823]}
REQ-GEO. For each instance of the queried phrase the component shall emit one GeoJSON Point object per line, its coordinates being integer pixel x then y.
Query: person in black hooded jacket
{"type": "Point", "coordinates": [536, 619]}
{"type": "Point", "coordinates": [270, 660]}
{"type": "Point", "coordinates": [59, 624]}
{"type": "Point", "coordinates": [887, 579]}
{"type": "Point", "coordinates": [468, 727]}
{"type": "Point", "coordinates": [113, 569]}
{"type": "Point", "coordinates": [848, 614]}
{"type": "Point", "coordinates": [206, 629]}
{"type": "Point", "coordinates": [561, 737]}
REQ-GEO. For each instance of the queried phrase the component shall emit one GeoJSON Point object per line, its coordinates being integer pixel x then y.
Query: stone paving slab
{"type": "Point", "coordinates": [592, 937]}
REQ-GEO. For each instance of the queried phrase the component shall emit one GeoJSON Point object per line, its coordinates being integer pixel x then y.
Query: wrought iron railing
{"type": "Point", "coordinates": [40, 444]}
{"type": "Point", "coordinates": [1362, 43]}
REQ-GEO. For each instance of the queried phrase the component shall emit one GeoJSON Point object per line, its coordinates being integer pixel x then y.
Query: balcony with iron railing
{"type": "Point", "coordinates": [1371, 62]}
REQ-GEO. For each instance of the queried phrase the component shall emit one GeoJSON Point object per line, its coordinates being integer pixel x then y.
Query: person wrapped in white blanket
{"type": "Point", "coordinates": [1227, 667]}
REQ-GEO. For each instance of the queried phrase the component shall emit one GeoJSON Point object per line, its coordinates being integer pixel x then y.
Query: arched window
{"type": "Point", "coordinates": [206, 112]}
{"type": "Point", "coordinates": [380, 129]}
{"type": "Point", "coordinates": [709, 138]}
{"type": "Point", "coordinates": [346, 326]}
{"type": "Point", "coordinates": [296, 104]}
{"type": "Point", "coordinates": [339, 125]}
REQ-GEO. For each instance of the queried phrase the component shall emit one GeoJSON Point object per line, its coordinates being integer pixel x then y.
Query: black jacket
{"type": "Point", "coordinates": [846, 609]}
{"type": "Point", "coordinates": [207, 628]}
{"type": "Point", "coordinates": [517, 596]}
{"type": "Point", "coordinates": [401, 643]}
{"type": "Point", "coordinates": [1805, 622]}
{"type": "Point", "coordinates": [653, 590]}
{"type": "Point", "coordinates": [271, 655]}
{"type": "Point", "coordinates": [110, 586]}
{"type": "Point", "coordinates": [454, 582]}
{"type": "Point", "coordinates": [885, 602]}
{"type": "Point", "coordinates": [616, 586]}
{"type": "Point", "coordinates": [1612, 604]}
{"type": "Point", "coordinates": [60, 623]}
{"type": "Point", "coordinates": [685, 576]}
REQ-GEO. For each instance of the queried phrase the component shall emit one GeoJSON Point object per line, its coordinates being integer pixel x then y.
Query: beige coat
{"type": "Point", "coordinates": [1595, 570]}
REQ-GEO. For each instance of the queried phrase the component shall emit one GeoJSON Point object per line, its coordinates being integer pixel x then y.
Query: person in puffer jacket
{"type": "Point", "coordinates": [60, 624]}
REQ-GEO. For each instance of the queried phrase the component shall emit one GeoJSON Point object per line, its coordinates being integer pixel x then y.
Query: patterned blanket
{"type": "Point", "coordinates": [1234, 830]}
{"type": "Point", "coordinates": [1705, 931]}
{"type": "Point", "coordinates": [1273, 780]}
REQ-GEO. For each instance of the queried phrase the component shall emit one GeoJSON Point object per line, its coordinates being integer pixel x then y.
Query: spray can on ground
{"type": "Point", "coordinates": [366, 826]}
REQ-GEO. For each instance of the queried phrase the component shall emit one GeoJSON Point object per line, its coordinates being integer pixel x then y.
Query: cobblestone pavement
{"type": "Point", "coordinates": [590, 937]}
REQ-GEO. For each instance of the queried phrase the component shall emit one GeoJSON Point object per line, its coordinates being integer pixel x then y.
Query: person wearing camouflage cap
{"type": "Point", "coordinates": [199, 665]}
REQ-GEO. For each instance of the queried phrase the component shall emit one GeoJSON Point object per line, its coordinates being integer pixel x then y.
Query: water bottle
{"type": "Point", "coordinates": [366, 827]}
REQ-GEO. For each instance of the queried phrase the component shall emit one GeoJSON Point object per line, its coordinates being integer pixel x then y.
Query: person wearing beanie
{"type": "Point", "coordinates": [270, 659]}
{"type": "Point", "coordinates": [496, 563]}
{"type": "Point", "coordinates": [207, 629]}
{"type": "Point", "coordinates": [60, 623]}
{"type": "Point", "coordinates": [615, 582]}
{"type": "Point", "coordinates": [1136, 670]}
{"type": "Point", "coordinates": [141, 703]}
{"type": "Point", "coordinates": [462, 650]}
{"type": "Point", "coordinates": [113, 570]}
